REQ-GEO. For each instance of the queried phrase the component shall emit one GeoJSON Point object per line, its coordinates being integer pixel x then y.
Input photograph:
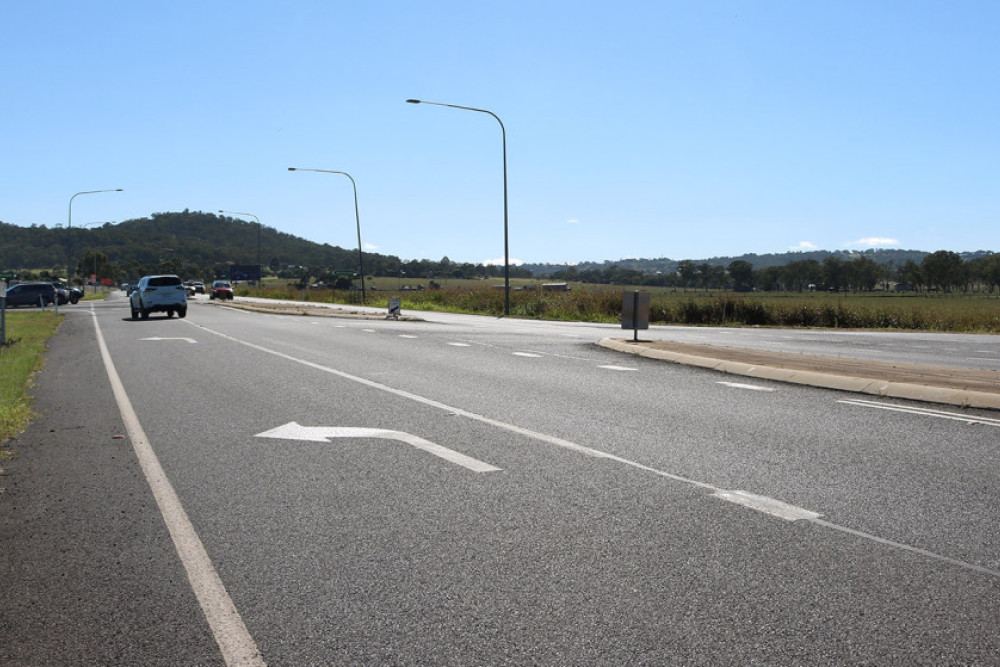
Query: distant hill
{"type": "Point", "coordinates": [195, 244]}
{"type": "Point", "coordinates": [192, 244]}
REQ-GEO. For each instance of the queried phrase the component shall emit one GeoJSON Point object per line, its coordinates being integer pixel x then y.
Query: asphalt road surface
{"type": "Point", "coordinates": [247, 488]}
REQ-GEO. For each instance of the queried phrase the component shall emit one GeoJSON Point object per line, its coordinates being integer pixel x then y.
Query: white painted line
{"type": "Point", "coordinates": [924, 412]}
{"type": "Point", "coordinates": [295, 431]}
{"type": "Point", "coordinates": [529, 355]}
{"type": "Point", "coordinates": [368, 330]}
{"type": "Point", "coordinates": [231, 634]}
{"type": "Point", "coordinates": [588, 451]}
{"type": "Point", "coordinates": [740, 385]}
{"type": "Point", "coordinates": [618, 368]}
{"type": "Point", "coordinates": [189, 340]}
{"type": "Point", "coordinates": [459, 344]}
{"type": "Point", "coordinates": [767, 505]}
{"type": "Point", "coordinates": [407, 336]}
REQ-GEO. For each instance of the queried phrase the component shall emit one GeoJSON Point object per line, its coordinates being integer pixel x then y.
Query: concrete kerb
{"type": "Point", "coordinates": [881, 388]}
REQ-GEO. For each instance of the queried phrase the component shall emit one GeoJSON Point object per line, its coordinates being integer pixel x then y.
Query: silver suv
{"type": "Point", "coordinates": [163, 294]}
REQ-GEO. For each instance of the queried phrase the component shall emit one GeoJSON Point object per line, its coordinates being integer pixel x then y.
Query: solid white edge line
{"type": "Point", "coordinates": [234, 640]}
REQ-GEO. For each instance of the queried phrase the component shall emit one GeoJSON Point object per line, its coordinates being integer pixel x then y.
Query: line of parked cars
{"type": "Point", "coordinates": [42, 294]}
{"type": "Point", "coordinates": [152, 294]}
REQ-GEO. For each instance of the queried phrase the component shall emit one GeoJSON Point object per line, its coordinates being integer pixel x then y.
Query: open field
{"type": "Point", "coordinates": [955, 312]}
{"type": "Point", "coordinates": [27, 334]}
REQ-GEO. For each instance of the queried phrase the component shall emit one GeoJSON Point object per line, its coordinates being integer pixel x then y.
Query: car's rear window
{"type": "Point", "coordinates": [164, 281]}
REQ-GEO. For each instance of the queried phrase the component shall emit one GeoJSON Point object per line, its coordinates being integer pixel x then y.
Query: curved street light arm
{"type": "Point", "coordinates": [69, 226]}
{"type": "Point", "coordinates": [260, 267]}
{"type": "Point", "coordinates": [506, 243]}
{"type": "Point", "coordinates": [357, 218]}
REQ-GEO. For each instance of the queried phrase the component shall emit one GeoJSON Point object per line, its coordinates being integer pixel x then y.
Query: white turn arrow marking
{"type": "Point", "coordinates": [190, 340]}
{"type": "Point", "coordinates": [295, 431]}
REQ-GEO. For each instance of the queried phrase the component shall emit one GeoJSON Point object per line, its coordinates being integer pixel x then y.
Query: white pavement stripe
{"type": "Point", "coordinates": [529, 355]}
{"type": "Point", "coordinates": [767, 505]}
{"type": "Point", "coordinates": [799, 514]}
{"type": "Point", "coordinates": [459, 344]}
{"type": "Point", "coordinates": [618, 368]}
{"type": "Point", "coordinates": [740, 385]}
{"type": "Point", "coordinates": [924, 412]}
{"type": "Point", "coordinates": [234, 640]}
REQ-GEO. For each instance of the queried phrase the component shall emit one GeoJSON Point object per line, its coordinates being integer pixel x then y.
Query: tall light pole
{"type": "Point", "coordinates": [260, 267]}
{"type": "Point", "coordinates": [357, 218]}
{"type": "Point", "coordinates": [91, 224]}
{"type": "Point", "coordinates": [69, 227]}
{"type": "Point", "coordinates": [506, 245]}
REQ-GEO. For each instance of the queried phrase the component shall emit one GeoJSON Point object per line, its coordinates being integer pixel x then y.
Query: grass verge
{"type": "Point", "coordinates": [27, 336]}
{"type": "Point", "coordinates": [972, 313]}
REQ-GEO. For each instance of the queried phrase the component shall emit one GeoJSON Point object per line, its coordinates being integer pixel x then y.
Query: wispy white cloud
{"type": "Point", "coordinates": [874, 242]}
{"type": "Point", "coordinates": [371, 246]}
{"type": "Point", "coordinates": [499, 262]}
{"type": "Point", "coordinates": [573, 221]}
{"type": "Point", "coordinates": [803, 245]}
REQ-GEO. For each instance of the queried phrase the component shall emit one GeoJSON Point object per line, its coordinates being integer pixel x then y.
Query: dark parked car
{"type": "Point", "coordinates": [73, 294]}
{"type": "Point", "coordinates": [33, 294]}
{"type": "Point", "coordinates": [221, 290]}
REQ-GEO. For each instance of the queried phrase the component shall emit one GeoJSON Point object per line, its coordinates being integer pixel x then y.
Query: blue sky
{"type": "Point", "coordinates": [634, 129]}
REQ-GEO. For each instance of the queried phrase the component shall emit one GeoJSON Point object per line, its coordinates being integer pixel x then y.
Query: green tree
{"type": "Point", "coordinates": [742, 274]}
{"type": "Point", "coordinates": [943, 269]}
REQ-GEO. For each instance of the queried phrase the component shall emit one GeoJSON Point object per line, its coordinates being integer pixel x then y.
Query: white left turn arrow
{"type": "Point", "coordinates": [295, 431]}
{"type": "Point", "coordinates": [190, 340]}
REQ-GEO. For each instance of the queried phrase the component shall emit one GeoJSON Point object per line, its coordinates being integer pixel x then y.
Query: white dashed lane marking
{"type": "Point", "coordinates": [740, 385]}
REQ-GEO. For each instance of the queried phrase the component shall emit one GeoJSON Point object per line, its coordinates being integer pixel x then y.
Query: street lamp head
{"type": "Point", "coordinates": [291, 169]}
{"type": "Point", "coordinates": [413, 101]}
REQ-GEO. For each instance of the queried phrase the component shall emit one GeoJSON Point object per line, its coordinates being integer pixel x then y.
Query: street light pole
{"type": "Point", "coordinates": [260, 267]}
{"type": "Point", "coordinates": [91, 224]}
{"type": "Point", "coordinates": [357, 218]}
{"type": "Point", "coordinates": [69, 227]}
{"type": "Point", "coordinates": [506, 245]}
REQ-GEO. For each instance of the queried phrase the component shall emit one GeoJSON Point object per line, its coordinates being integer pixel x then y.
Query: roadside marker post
{"type": "Point", "coordinates": [394, 308]}
{"type": "Point", "coordinates": [635, 312]}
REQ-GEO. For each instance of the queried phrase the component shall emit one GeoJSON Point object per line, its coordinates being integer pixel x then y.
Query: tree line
{"type": "Point", "coordinates": [942, 270]}
{"type": "Point", "coordinates": [198, 245]}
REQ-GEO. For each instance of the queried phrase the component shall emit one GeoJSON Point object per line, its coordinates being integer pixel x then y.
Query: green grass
{"type": "Point", "coordinates": [27, 335]}
{"type": "Point", "coordinates": [957, 312]}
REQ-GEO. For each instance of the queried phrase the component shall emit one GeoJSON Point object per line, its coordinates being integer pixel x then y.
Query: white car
{"type": "Point", "coordinates": [163, 294]}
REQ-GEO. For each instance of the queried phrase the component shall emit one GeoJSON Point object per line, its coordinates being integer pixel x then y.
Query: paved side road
{"type": "Point", "coordinates": [88, 573]}
{"type": "Point", "coordinates": [972, 388]}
